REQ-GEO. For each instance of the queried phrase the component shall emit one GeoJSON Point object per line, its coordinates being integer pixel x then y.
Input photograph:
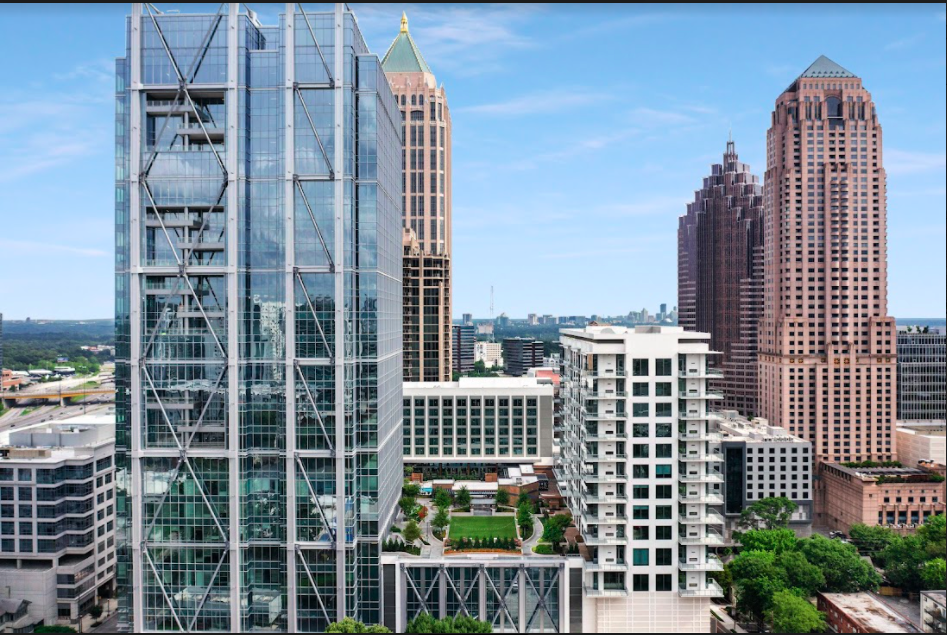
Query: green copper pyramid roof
{"type": "Point", "coordinates": [404, 56]}
{"type": "Point", "coordinates": [825, 68]}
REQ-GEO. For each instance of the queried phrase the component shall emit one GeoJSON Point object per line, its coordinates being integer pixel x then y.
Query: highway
{"type": "Point", "coordinates": [40, 412]}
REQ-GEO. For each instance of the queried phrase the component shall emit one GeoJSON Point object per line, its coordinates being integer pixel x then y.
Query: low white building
{"type": "Point", "coordinates": [478, 421]}
{"type": "Point", "coordinates": [57, 531]}
{"type": "Point", "coordinates": [922, 441]}
{"type": "Point", "coordinates": [490, 353]}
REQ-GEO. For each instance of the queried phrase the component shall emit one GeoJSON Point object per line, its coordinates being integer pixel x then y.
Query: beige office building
{"type": "Point", "coordinates": [426, 208]}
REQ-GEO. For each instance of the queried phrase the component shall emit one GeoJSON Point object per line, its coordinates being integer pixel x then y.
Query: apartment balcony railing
{"type": "Point", "coordinates": [605, 478]}
{"type": "Point", "coordinates": [595, 541]}
{"type": "Point", "coordinates": [710, 539]}
{"type": "Point", "coordinates": [599, 437]}
{"type": "Point", "coordinates": [709, 590]}
{"type": "Point", "coordinates": [709, 517]}
{"type": "Point", "coordinates": [594, 567]}
{"type": "Point", "coordinates": [701, 374]}
{"type": "Point", "coordinates": [712, 457]}
{"type": "Point", "coordinates": [702, 478]}
{"type": "Point", "coordinates": [606, 593]}
{"type": "Point", "coordinates": [706, 499]}
{"type": "Point", "coordinates": [605, 394]}
{"type": "Point", "coordinates": [698, 435]}
{"type": "Point", "coordinates": [709, 564]}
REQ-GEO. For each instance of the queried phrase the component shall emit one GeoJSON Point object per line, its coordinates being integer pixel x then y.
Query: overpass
{"type": "Point", "coordinates": [64, 397]}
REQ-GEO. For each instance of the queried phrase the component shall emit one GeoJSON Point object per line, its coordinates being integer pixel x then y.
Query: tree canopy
{"type": "Point", "coordinates": [462, 624]}
{"type": "Point", "coordinates": [462, 498]}
{"type": "Point", "coordinates": [768, 513]}
{"type": "Point", "coordinates": [775, 540]}
{"type": "Point", "coordinates": [411, 532]}
{"type": "Point", "coordinates": [793, 614]}
{"type": "Point", "coordinates": [555, 528]}
{"type": "Point", "coordinates": [348, 625]}
{"type": "Point", "coordinates": [844, 570]}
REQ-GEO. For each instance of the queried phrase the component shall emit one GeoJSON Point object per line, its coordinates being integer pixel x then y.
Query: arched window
{"type": "Point", "coordinates": [414, 100]}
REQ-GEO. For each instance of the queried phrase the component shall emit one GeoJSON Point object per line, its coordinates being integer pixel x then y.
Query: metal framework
{"type": "Point", "coordinates": [515, 597]}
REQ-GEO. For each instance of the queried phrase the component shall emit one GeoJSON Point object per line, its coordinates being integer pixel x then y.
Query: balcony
{"type": "Point", "coordinates": [710, 590]}
{"type": "Point", "coordinates": [710, 539]}
{"type": "Point", "coordinates": [606, 593]}
{"type": "Point", "coordinates": [605, 478]}
{"type": "Point", "coordinates": [612, 541]}
{"type": "Point", "coordinates": [697, 435]}
{"type": "Point", "coordinates": [696, 416]}
{"type": "Point", "coordinates": [701, 374]}
{"type": "Point", "coordinates": [603, 519]}
{"type": "Point", "coordinates": [604, 437]}
{"type": "Point", "coordinates": [606, 416]}
{"type": "Point", "coordinates": [710, 564]}
{"type": "Point", "coordinates": [596, 499]}
{"type": "Point", "coordinates": [606, 394]}
{"type": "Point", "coordinates": [709, 517]}
{"type": "Point", "coordinates": [589, 457]}
{"type": "Point", "coordinates": [708, 395]}
{"type": "Point", "coordinates": [609, 373]}
{"type": "Point", "coordinates": [702, 458]}
{"type": "Point", "coordinates": [595, 567]}
{"type": "Point", "coordinates": [707, 499]}
{"type": "Point", "coordinates": [702, 478]}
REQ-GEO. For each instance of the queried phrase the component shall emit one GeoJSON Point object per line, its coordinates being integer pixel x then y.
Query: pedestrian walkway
{"type": "Point", "coordinates": [535, 538]}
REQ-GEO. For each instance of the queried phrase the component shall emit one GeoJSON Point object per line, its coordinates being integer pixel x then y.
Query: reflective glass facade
{"type": "Point", "coordinates": [258, 294]}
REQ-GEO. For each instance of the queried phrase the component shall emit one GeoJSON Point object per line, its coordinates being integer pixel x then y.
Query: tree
{"type": "Point", "coordinates": [555, 528]}
{"type": "Point", "coordinates": [462, 624]}
{"type": "Point", "coordinates": [934, 535]}
{"type": "Point", "coordinates": [793, 614]}
{"type": "Point", "coordinates": [411, 490]}
{"type": "Point", "coordinates": [768, 513]}
{"type": "Point", "coordinates": [775, 540]}
{"type": "Point", "coordinates": [96, 611]}
{"type": "Point", "coordinates": [843, 568]}
{"type": "Point", "coordinates": [462, 498]}
{"type": "Point", "coordinates": [801, 576]}
{"type": "Point", "coordinates": [524, 518]}
{"type": "Point", "coordinates": [411, 533]}
{"type": "Point", "coordinates": [348, 625]}
{"type": "Point", "coordinates": [441, 519]}
{"type": "Point", "coordinates": [904, 559]}
{"type": "Point", "coordinates": [934, 575]}
{"type": "Point", "coordinates": [503, 498]}
{"type": "Point", "coordinates": [757, 579]}
{"type": "Point", "coordinates": [407, 505]}
{"type": "Point", "coordinates": [524, 499]}
{"type": "Point", "coordinates": [872, 541]}
{"type": "Point", "coordinates": [442, 499]}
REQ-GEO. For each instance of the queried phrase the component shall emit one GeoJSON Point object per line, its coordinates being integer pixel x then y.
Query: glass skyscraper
{"type": "Point", "coordinates": [259, 241]}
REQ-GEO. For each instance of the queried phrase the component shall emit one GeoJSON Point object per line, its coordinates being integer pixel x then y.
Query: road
{"type": "Point", "coordinates": [15, 419]}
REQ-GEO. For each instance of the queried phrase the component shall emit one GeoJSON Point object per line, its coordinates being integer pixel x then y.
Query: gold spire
{"type": "Point", "coordinates": [404, 22]}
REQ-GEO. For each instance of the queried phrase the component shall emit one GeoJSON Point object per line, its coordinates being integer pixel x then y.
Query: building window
{"type": "Point", "coordinates": [641, 558]}
{"type": "Point", "coordinates": [640, 368]}
{"type": "Point", "coordinates": [640, 583]}
{"type": "Point", "coordinates": [663, 558]}
{"type": "Point", "coordinates": [662, 582]}
{"type": "Point", "coordinates": [663, 367]}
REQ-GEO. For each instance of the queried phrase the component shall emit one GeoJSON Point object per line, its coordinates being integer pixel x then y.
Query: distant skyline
{"type": "Point", "coordinates": [580, 133]}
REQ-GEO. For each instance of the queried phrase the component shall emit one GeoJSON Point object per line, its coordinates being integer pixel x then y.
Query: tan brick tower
{"type": "Point", "coordinates": [827, 344]}
{"type": "Point", "coordinates": [426, 206]}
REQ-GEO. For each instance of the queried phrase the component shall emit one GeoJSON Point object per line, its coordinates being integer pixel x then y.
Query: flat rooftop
{"type": "Point", "coordinates": [479, 383]}
{"type": "Point", "coordinates": [872, 614]}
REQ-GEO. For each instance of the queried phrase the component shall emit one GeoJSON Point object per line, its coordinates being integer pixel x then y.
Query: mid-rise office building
{"type": "Point", "coordinates": [720, 275]}
{"type": "Point", "coordinates": [463, 344]}
{"type": "Point", "coordinates": [490, 353]}
{"type": "Point", "coordinates": [521, 354]}
{"type": "Point", "coordinates": [468, 319]}
{"type": "Point", "coordinates": [57, 496]}
{"type": "Point", "coordinates": [641, 472]}
{"type": "Point", "coordinates": [898, 498]}
{"type": "Point", "coordinates": [827, 345]}
{"type": "Point", "coordinates": [427, 305]}
{"type": "Point", "coordinates": [426, 209]}
{"type": "Point", "coordinates": [479, 421]}
{"type": "Point", "coordinates": [763, 461]}
{"type": "Point", "coordinates": [259, 363]}
{"type": "Point", "coordinates": [922, 376]}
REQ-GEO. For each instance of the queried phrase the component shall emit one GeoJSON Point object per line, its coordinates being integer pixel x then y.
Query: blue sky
{"type": "Point", "coordinates": [579, 135]}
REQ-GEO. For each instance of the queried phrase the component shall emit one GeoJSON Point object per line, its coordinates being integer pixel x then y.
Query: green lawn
{"type": "Point", "coordinates": [503, 527]}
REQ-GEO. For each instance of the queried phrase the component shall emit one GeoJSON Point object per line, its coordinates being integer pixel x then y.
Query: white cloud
{"type": "Point", "coordinates": [899, 162]}
{"type": "Point", "coordinates": [905, 43]}
{"type": "Point", "coordinates": [536, 104]}
{"type": "Point", "coordinates": [28, 248]}
{"type": "Point", "coordinates": [465, 39]}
